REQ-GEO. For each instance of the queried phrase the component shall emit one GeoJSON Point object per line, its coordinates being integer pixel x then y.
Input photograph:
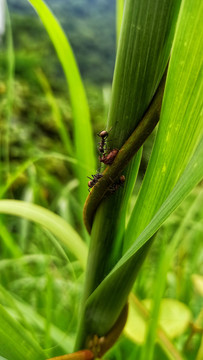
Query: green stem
{"type": "Point", "coordinates": [119, 16]}
{"type": "Point", "coordinates": [125, 154]}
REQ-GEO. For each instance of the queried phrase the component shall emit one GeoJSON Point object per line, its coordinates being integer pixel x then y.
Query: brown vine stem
{"type": "Point", "coordinates": [125, 154]}
{"type": "Point", "coordinates": [79, 355]}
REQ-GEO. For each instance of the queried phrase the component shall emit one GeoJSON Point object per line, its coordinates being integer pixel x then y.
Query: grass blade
{"type": "Point", "coordinates": [63, 133]}
{"type": "Point", "coordinates": [51, 221]}
{"type": "Point", "coordinates": [15, 341]}
{"type": "Point", "coordinates": [119, 16]}
{"type": "Point", "coordinates": [82, 127]}
{"type": "Point", "coordinates": [10, 86]}
{"type": "Point", "coordinates": [9, 242]}
{"type": "Point", "coordinates": [181, 123]}
{"type": "Point", "coordinates": [144, 47]}
{"type": "Point", "coordinates": [35, 320]}
{"type": "Point", "coordinates": [107, 308]}
{"type": "Point", "coordinates": [28, 163]}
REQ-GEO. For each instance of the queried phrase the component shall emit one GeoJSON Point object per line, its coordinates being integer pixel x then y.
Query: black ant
{"type": "Point", "coordinates": [103, 135]}
{"type": "Point", "coordinates": [93, 180]}
{"type": "Point", "coordinates": [112, 188]}
{"type": "Point", "coordinates": [109, 158]}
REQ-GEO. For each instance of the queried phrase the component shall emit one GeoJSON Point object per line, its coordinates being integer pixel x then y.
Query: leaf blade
{"type": "Point", "coordinates": [15, 341]}
{"type": "Point", "coordinates": [82, 127]}
{"type": "Point", "coordinates": [118, 283]}
{"type": "Point", "coordinates": [58, 226]}
{"type": "Point", "coordinates": [181, 125]}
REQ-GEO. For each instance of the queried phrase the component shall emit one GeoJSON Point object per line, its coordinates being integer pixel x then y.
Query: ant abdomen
{"type": "Point", "coordinates": [109, 158]}
{"type": "Point", "coordinates": [93, 180]}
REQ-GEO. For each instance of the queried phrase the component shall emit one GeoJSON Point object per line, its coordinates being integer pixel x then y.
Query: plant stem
{"type": "Point", "coordinates": [126, 153]}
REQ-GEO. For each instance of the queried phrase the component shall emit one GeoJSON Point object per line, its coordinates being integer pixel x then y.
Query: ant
{"type": "Point", "coordinates": [115, 186]}
{"type": "Point", "coordinates": [109, 158]}
{"type": "Point", "coordinates": [93, 180]}
{"type": "Point", "coordinates": [103, 135]}
{"type": "Point", "coordinates": [112, 188]}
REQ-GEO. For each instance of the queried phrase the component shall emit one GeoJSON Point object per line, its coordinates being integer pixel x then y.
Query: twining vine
{"type": "Point", "coordinates": [112, 173]}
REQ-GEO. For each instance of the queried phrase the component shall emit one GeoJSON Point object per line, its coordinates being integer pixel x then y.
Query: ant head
{"type": "Point", "coordinates": [122, 179]}
{"type": "Point", "coordinates": [103, 134]}
{"type": "Point", "coordinates": [90, 183]}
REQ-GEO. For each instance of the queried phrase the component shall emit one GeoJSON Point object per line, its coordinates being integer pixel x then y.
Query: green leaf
{"type": "Point", "coordinates": [174, 319]}
{"type": "Point", "coordinates": [82, 128]}
{"type": "Point", "coordinates": [54, 223]}
{"type": "Point", "coordinates": [103, 302]}
{"type": "Point", "coordinates": [174, 316]}
{"type": "Point", "coordinates": [181, 122]}
{"type": "Point", "coordinates": [135, 328]}
{"type": "Point", "coordinates": [10, 87]}
{"type": "Point", "coordinates": [131, 176]}
{"type": "Point", "coordinates": [9, 242]}
{"type": "Point", "coordinates": [28, 163]}
{"type": "Point", "coordinates": [119, 16]}
{"type": "Point", "coordinates": [32, 320]}
{"type": "Point", "coordinates": [125, 113]}
{"type": "Point", "coordinates": [198, 283]}
{"type": "Point", "coordinates": [144, 47]}
{"type": "Point", "coordinates": [63, 133]}
{"type": "Point", "coordinates": [60, 338]}
{"type": "Point", "coordinates": [171, 177]}
{"type": "Point", "coordinates": [15, 342]}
